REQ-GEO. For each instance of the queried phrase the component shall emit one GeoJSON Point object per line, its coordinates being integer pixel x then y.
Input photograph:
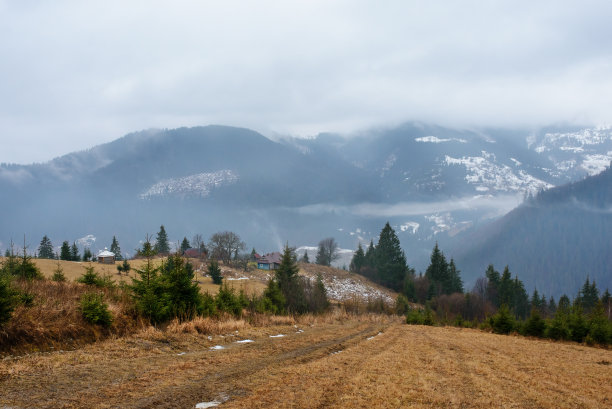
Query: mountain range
{"type": "Point", "coordinates": [432, 183]}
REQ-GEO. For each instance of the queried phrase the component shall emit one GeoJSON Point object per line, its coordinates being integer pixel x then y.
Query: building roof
{"type": "Point", "coordinates": [271, 258]}
{"type": "Point", "coordinates": [106, 253]}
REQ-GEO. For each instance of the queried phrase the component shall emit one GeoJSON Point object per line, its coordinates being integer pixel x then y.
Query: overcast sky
{"type": "Point", "coordinates": [74, 74]}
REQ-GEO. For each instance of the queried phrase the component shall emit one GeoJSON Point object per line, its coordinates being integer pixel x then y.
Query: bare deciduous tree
{"type": "Point", "coordinates": [328, 251]}
{"type": "Point", "coordinates": [223, 245]}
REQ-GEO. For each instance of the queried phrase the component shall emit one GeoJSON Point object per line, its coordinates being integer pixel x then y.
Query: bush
{"type": "Point", "coordinates": [535, 325]}
{"type": "Point", "coordinates": [7, 301]}
{"type": "Point", "coordinates": [90, 277]}
{"type": "Point", "coordinates": [95, 310]}
{"type": "Point", "coordinates": [558, 329]}
{"type": "Point", "coordinates": [503, 321]}
{"type": "Point", "coordinates": [578, 325]}
{"type": "Point", "coordinates": [420, 317]}
{"type": "Point", "coordinates": [401, 305]}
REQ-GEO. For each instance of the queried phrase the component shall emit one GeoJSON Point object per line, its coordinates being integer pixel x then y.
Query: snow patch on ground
{"type": "Point", "coordinates": [434, 139]}
{"type": "Point", "coordinates": [217, 347]}
{"type": "Point", "coordinates": [345, 289]}
{"type": "Point", "coordinates": [596, 163]}
{"type": "Point", "coordinates": [211, 404]}
{"type": "Point", "coordinates": [277, 336]}
{"type": "Point", "coordinates": [198, 185]}
{"type": "Point", "coordinates": [413, 227]}
{"type": "Point", "coordinates": [236, 279]}
{"type": "Point", "coordinates": [245, 341]}
{"type": "Point", "coordinates": [483, 172]}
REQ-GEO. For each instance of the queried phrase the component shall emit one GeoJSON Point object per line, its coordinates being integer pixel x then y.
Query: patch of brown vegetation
{"type": "Point", "coordinates": [54, 319]}
{"type": "Point", "coordinates": [335, 361]}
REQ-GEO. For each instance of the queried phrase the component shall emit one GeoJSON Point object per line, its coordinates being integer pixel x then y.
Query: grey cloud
{"type": "Point", "coordinates": [81, 73]}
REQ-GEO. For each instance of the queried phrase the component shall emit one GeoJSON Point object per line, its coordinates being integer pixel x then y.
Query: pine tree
{"type": "Point", "coordinates": [161, 245]}
{"type": "Point", "coordinates": [369, 255]}
{"type": "Point", "coordinates": [87, 254]}
{"type": "Point", "coordinates": [74, 253]}
{"type": "Point", "coordinates": [456, 284]}
{"type": "Point", "coordinates": [606, 300]}
{"type": "Point", "coordinates": [589, 295]}
{"type": "Point", "coordinates": [215, 272]}
{"type": "Point", "coordinates": [520, 299]}
{"type": "Point", "coordinates": [185, 245]}
{"type": "Point", "coordinates": [493, 283]}
{"type": "Point", "coordinates": [25, 268]}
{"type": "Point", "coordinates": [58, 273]}
{"type": "Point", "coordinates": [358, 260]}
{"type": "Point", "coordinates": [65, 252]}
{"type": "Point", "coordinates": [437, 273]}
{"type": "Point", "coordinates": [45, 250]}
{"type": "Point", "coordinates": [147, 289]}
{"type": "Point", "coordinates": [114, 248]}
{"type": "Point", "coordinates": [505, 289]}
{"type": "Point", "coordinates": [287, 278]}
{"type": "Point", "coordinates": [305, 258]}
{"type": "Point", "coordinates": [389, 260]}
{"type": "Point", "coordinates": [181, 294]}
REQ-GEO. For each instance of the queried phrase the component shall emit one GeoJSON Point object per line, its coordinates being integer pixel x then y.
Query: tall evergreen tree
{"type": "Point", "coordinates": [358, 260]}
{"type": "Point", "coordinates": [288, 281]}
{"type": "Point", "coordinates": [493, 283]}
{"type": "Point", "coordinates": [589, 295]}
{"type": "Point", "coordinates": [389, 260]}
{"type": "Point", "coordinates": [215, 272]}
{"type": "Point", "coordinates": [305, 258]}
{"type": "Point", "coordinates": [65, 251]}
{"type": "Point", "coordinates": [74, 252]}
{"type": "Point", "coordinates": [520, 299]}
{"type": "Point", "coordinates": [185, 245]}
{"type": "Point", "coordinates": [506, 288]}
{"type": "Point", "coordinates": [161, 245]}
{"type": "Point", "coordinates": [114, 248]}
{"type": "Point", "coordinates": [87, 254]}
{"type": "Point", "coordinates": [45, 250]}
{"type": "Point", "coordinates": [455, 282]}
{"type": "Point", "coordinates": [437, 273]}
{"type": "Point", "coordinates": [369, 255]}
{"type": "Point", "coordinates": [606, 301]}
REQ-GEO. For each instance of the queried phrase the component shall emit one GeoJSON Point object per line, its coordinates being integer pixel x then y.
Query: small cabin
{"type": "Point", "coordinates": [106, 257]}
{"type": "Point", "coordinates": [270, 261]}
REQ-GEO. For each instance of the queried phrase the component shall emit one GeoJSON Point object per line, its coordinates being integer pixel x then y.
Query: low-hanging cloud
{"type": "Point", "coordinates": [80, 73]}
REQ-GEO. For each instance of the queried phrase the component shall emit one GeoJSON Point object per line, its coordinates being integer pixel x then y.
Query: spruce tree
{"type": "Point", "coordinates": [369, 255]}
{"type": "Point", "coordinates": [45, 250]}
{"type": "Point", "coordinates": [288, 281]}
{"type": "Point", "coordinates": [185, 245]}
{"type": "Point", "coordinates": [389, 260]}
{"type": "Point", "coordinates": [493, 283]}
{"type": "Point", "coordinates": [181, 294]}
{"type": "Point", "coordinates": [505, 290]}
{"type": "Point", "coordinates": [455, 282]}
{"type": "Point", "coordinates": [74, 253]}
{"type": "Point", "coordinates": [161, 245]}
{"type": "Point", "coordinates": [147, 289]}
{"type": "Point", "coordinates": [87, 254]}
{"type": "Point", "coordinates": [58, 273]}
{"type": "Point", "coordinates": [215, 272]}
{"type": "Point", "coordinates": [115, 249]}
{"type": "Point", "coordinates": [437, 273]}
{"type": "Point", "coordinates": [305, 258]}
{"type": "Point", "coordinates": [358, 260]}
{"type": "Point", "coordinates": [65, 251]}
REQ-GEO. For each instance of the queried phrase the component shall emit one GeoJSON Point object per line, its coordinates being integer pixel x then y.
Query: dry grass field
{"type": "Point", "coordinates": [334, 361]}
{"type": "Point", "coordinates": [74, 269]}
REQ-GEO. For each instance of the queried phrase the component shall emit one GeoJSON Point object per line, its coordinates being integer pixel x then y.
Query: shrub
{"type": "Point", "coordinates": [90, 277]}
{"type": "Point", "coordinates": [401, 305]}
{"type": "Point", "coordinates": [535, 325]}
{"type": "Point", "coordinates": [7, 301]}
{"type": "Point", "coordinates": [503, 321]}
{"type": "Point", "coordinates": [95, 310]}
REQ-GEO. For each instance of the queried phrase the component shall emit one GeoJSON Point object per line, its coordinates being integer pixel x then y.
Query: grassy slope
{"type": "Point", "coordinates": [337, 361]}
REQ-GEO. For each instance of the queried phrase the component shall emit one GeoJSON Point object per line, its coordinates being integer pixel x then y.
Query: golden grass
{"type": "Point", "coordinates": [334, 361]}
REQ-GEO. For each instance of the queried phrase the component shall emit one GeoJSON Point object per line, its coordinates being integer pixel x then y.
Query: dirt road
{"type": "Point", "coordinates": [358, 363]}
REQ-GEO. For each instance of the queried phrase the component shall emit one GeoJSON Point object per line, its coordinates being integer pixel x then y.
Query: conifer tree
{"type": "Point", "coordinates": [45, 250]}
{"type": "Point", "coordinates": [25, 268]}
{"type": "Point", "coordinates": [589, 295]}
{"type": "Point", "coordinates": [181, 294]}
{"type": "Point", "coordinates": [161, 245]}
{"type": "Point", "coordinates": [305, 258]}
{"type": "Point", "coordinates": [505, 289]}
{"type": "Point", "coordinates": [287, 278]}
{"type": "Point", "coordinates": [215, 272]}
{"type": "Point", "coordinates": [185, 245]}
{"type": "Point", "coordinates": [147, 289]}
{"type": "Point", "coordinates": [456, 284]}
{"type": "Point", "coordinates": [58, 273]}
{"type": "Point", "coordinates": [389, 260]}
{"type": "Point", "coordinates": [87, 254]}
{"type": "Point", "coordinates": [65, 251]}
{"type": "Point", "coordinates": [493, 283]}
{"type": "Point", "coordinates": [74, 252]}
{"type": "Point", "coordinates": [369, 255]}
{"type": "Point", "coordinates": [358, 260]}
{"type": "Point", "coordinates": [114, 248]}
{"type": "Point", "coordinates": [437, 273]}
{"type": "Point", "coordinates": [606, 300]}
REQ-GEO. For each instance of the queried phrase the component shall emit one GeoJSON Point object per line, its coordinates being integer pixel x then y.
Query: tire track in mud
{"type": "Point", "coordinates": [234, 380]}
